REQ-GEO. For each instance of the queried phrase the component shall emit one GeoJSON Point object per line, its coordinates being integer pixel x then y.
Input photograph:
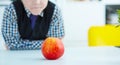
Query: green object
{"type": "Point", "coordinates": [118, 12]}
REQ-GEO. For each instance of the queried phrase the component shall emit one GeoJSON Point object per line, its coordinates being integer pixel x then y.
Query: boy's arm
{"type": "Point", "coordinates": [11, 35]}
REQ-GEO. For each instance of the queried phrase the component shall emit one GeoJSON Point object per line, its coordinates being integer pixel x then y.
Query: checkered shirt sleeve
{"type": "Point", "coordinates": [11, 34]}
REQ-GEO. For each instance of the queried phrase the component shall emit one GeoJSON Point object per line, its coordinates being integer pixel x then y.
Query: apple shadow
{"type": "Point", "coordinates": [33, 59]}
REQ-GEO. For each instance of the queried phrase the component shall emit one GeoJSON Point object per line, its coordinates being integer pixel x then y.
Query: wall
{"type": "Point", "coordinates": [1, 38]}
{"type": "Point", "coordinates": [79, 16]}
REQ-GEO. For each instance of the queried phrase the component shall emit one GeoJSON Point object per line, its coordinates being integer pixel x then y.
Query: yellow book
{"type": "Point", "coordinates": [108, 35]}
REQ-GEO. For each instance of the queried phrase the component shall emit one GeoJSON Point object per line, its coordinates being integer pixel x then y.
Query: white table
{"type": "Point", "coordinates": [72, 56]}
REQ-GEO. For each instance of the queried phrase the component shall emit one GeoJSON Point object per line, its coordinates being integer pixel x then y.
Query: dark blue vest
{"type": "Point", "coordinates": [41, 26]}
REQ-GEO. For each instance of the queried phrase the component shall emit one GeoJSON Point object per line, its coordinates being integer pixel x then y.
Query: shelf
{"type": "Point", "coordinates": [4, 2]}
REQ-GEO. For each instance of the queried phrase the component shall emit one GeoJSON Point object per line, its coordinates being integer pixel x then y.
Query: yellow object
{"type": "Point", "coordinates": [108, 35]}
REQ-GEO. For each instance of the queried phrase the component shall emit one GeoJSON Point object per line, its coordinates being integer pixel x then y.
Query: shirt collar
{"type": "Point", "coordinates": [29, 13]}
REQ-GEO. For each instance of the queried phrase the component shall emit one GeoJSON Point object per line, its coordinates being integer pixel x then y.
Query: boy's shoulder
{"type": "Point", "coordinates": [9, 7]}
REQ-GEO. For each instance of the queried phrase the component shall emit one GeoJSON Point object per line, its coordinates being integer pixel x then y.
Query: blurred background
{"type": "Point", "coordinates": [78, 16]}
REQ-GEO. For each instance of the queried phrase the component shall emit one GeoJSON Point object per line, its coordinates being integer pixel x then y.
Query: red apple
{"type": "Point", "coordinates": [52, 48]}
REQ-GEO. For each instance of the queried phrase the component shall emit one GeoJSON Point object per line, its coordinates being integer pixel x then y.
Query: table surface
{"type": "Point", "coordinates": [72, 56]}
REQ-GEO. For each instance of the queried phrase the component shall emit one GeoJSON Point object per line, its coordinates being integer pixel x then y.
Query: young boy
{"type": "Point", "coordinates": [27, 23]}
